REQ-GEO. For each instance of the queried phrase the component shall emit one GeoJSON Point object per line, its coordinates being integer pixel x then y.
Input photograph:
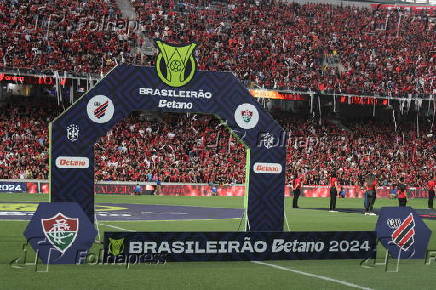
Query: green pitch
{"type": "Point", "coordinates": [344, 274]}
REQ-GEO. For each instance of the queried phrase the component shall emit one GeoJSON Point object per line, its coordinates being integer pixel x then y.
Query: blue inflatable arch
{"type": "Point", "coordinates": [129, 88]}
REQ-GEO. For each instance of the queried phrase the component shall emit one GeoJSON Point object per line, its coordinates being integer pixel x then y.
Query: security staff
{"type": "Point", "coordinates": [296, 188]}
{"type": "Point", "coordinates": [402, 196]}
{"type": "Point", "coordinates": [431, 185]}
{"type": "Point", "coordinates": [333, 192]}
{"type": "Point", "coordinates": [370, 194]}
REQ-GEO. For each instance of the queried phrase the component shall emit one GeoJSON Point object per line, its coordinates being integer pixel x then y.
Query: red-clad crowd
{"type": "Point", "coordinates": [177, 148]}
{"type": "Point", "coordinates": [192, 148]}
{"type": "Point", "coordinates": [353, 150]}
{"type": "Point", "coordinates": [322, 47]}
{"type": "Point", "coordinates": [273, 44]}
{"type": "Point", "coordinates": [24, 139]}
{"type": "Point", "coordinates": [63, 35]}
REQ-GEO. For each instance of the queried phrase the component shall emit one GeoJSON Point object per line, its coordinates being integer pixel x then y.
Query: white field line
{"type": "Point", "coordinates": [115, 227]}
{"type": "Point", "coordinates": [312, 275]}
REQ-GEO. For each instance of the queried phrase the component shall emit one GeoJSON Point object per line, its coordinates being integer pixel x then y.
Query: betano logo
{"type": "Point", "coordinates": [263, 167]}
{"type": "Point", "coordinates": [72, 162]}
{"type": "Point", "coordinates": [175, 64]}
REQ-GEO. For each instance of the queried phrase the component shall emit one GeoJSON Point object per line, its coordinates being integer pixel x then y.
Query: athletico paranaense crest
{"type": "Point", "coordinates": [404, 235]}
{"type": "Point", "coordinates": [100, 111]}
{"type": "Point", "coordinates": [61, 231]}
{"type": "Point", "coordinates": [175, 65]}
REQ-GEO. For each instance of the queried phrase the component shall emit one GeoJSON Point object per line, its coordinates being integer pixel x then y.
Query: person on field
{"type": "Point", "coordinates": [431, 185]}
{"type": "Point", "coordinates": [394, 191]}
{"type": "Point", "coordinates": [333, 192]}
{"type": "Point", "coordinates": [342, 192]}
{"type": "Point", "coordinates": [370, 194]}
{"type": "Point", "coordinates": [296, 188]}
{"type": "Point", "coordinates": [137, 190]}
{"type": "Point", "coordinates": [401, 194]}
{"type": "Point", "coordinates": [158, 187]}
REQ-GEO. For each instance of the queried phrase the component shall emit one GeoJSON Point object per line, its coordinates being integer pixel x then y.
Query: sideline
{"type": "Point", "coordinates": [312, 275]}
{"type": "Point", "coordinates": [115, 227]}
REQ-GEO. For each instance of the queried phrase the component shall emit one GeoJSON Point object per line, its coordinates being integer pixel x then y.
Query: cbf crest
{"type": "Point", "coordinates": [60, 233]}
{"type": "Point", "coordinates": [73, 132]}
{"type": "Point", "coordinates": [268, 140]}
{"type": "Point", "coordinates": [175, 64]}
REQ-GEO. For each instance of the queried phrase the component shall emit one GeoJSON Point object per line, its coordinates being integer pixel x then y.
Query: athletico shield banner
{"type": "Point", "coordinates": [173, 85]}
{"type": "Point", "coordinates": [60, 232]}
{"type": "Point", "coordinates": [403, 233]}
{"type": "Point", "coordinates": [138, 247]}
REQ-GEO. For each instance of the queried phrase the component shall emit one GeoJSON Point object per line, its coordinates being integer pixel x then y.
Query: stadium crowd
{"type": "Point", "coordinates": [320, 47]}
{"type": "Point", "coordinates": [189, 149]}
{"type": "Point", "coordinates": [199, 149]}
{"type": "Point", "coordinates": [266, 43]}
{"type": "Point", "coordinates": [354, 149]}
{"type": "Point", "coordinates": [62, 35]}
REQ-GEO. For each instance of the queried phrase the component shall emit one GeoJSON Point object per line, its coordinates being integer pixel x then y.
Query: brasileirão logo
{"type": "Point", "coordinates": [116, 247]}
{"type": "Point", "coordinates": [175, 64]}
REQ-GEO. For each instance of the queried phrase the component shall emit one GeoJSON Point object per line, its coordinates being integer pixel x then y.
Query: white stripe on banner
{"type": "Point", "coordinates": [312, 275]}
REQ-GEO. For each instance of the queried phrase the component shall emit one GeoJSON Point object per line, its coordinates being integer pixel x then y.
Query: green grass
{"type": "Point", "coordinates": [216, 275]}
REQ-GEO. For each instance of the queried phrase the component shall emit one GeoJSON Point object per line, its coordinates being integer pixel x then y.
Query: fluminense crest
{"type": "Point", "coordinates": [61, 231]}
{"type": "Point", "coordinates": [246, 115]}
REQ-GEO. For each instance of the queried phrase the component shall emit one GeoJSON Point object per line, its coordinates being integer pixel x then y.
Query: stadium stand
{"type": "Point", "coordinates": [355, 148]}
{"type": "Point", "coordinates": [313, 46]}
{"type": "Point", "coordinates": [198, 149]}
{"type": "Point", "coordinates": [73, 36]}
{"type": "Point", "coordinates": [318, 47]}
{"type": "Point", "coordinates": [270, 44]}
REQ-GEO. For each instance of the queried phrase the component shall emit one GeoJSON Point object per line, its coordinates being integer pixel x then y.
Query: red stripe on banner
{"type": "Point", "coordinates": [407, 237]}
{"type": "Point", "coordinates": [402, 234]}
{"type": "Point", "coordinates": [101, 113]}
{"type": "Point", "coordinates": [405, 224]}
{"type": "Point", "coordinates": [101, 109]}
